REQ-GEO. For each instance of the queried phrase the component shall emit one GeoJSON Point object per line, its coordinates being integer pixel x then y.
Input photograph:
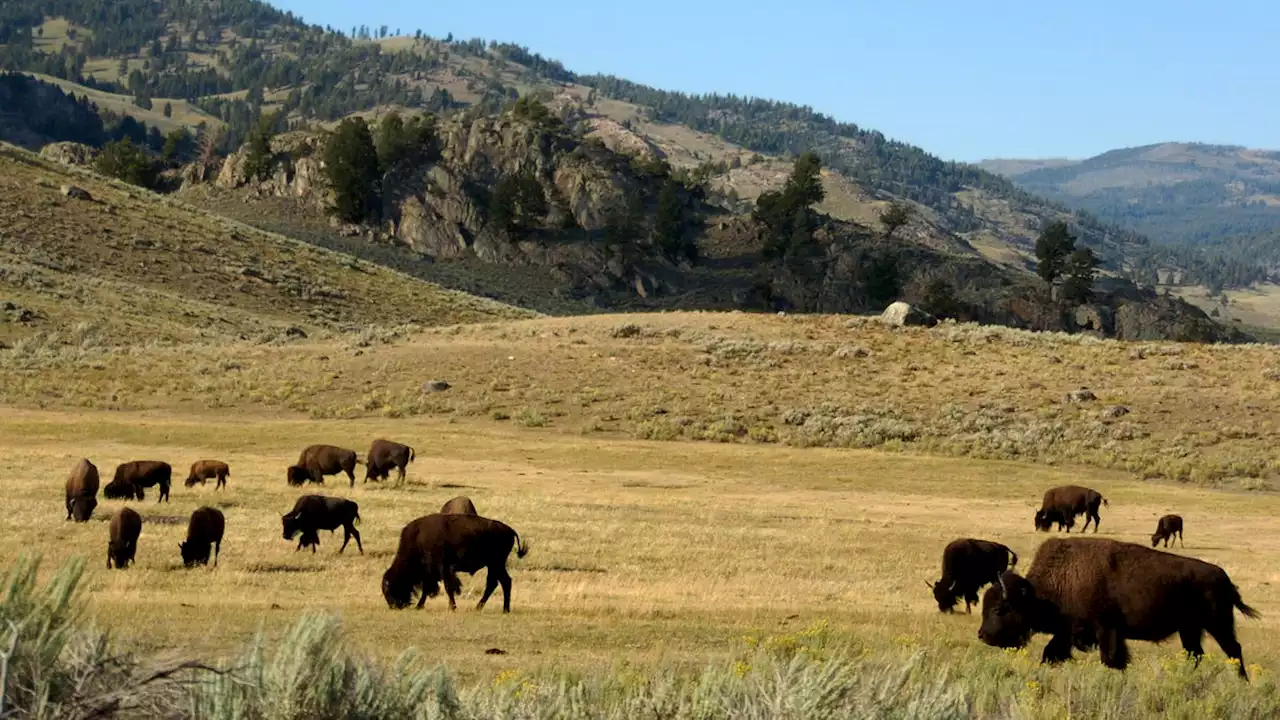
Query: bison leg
{"type": "Point", "coordinates": [400, 477]}
{"type": "Point", "coordinates": [505, 580]}
{"type": "Point", "coordinates": [1192, 639]}
{"type": "Point", "coordinates": [1097, 520]}
{"type": "Point", "coordinates": [1058, 650]}
{"type": "Point", "coordinates": [490, 584]}
{"type": "Point", "coordinates": [1224, 633]}
{"type": "Point", "coordinates": [108, 556]}
{"type": "Point", "coordinates": [351, 475]}
{"type": "Point", "coordinates": [356, 534]}
{"type": "Point", "coordinates": [1114, 649]}
{"type": "Point", "coordinates": [217, 548]}
{"type": "Point", "coordinates": [348, 532]}
{"type": "Point", "coordinates": [1180, 539]}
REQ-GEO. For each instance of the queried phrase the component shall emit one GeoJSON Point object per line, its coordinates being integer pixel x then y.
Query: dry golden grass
{"type": "Point", "coordinates": [185, 114]}
{"type": "Point", "coordinates": [138, 267]}
{"type": "Point", "coordinates": [642, 552]}
{"type": "Point", "coordinates": [1257, 306]}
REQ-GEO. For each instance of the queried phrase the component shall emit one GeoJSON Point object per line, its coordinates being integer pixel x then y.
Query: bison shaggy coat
{"type": "Point", "coordinates": [460, 505]}
{"type": "Point", "coordinates": [313, 513]}
{"type": "Point", "coordinates": [384, 456]}
{"type": "Point", "coordinates": [205, 528]}
{"type": "Point", "coordinates": [1099, 592]}
{"type": "Point", "coordinates": [82, 491]}
{"type": "Point", "coordinates": [141, 474]}
{"type": "Point", "coordinates": [967, 565]}
{"type": "Point", "coordinates": [321, 460]}
{"type": "Point", "coordinates": [122, 540]}
{"type": "Point", "coordinates": [204, 470]}
{"type": "Point", "coordinates": [1062, 504]}
{"type": "Point", "coordinates": [434, 548]}
{"type": "Point", "coordinates": [1166, 528]}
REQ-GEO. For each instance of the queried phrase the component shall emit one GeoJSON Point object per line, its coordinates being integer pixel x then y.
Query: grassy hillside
{"type": "Point", "coordinates": [130, 266]}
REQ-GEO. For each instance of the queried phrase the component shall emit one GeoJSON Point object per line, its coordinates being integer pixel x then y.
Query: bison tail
{"type": "Point", "coordinates": [1245, 609]}
{"type": "Point", "coordinates": [1013, 558]}
{"type": "Point", "coordinates": [1104, 502]}
{"type": "Point", "coordinates": [411, 456]}
{"type": "Point", "coordinates": [522, 548]}
{"type": "Point", "coordinates": [357, 515]}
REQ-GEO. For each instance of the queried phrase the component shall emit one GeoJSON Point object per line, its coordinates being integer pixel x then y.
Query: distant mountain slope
{"type": "Point", "coordinates": [1175, 193]}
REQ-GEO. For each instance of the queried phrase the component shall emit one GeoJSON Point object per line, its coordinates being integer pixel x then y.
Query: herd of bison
{"type": "Point", "coordinates": [1083, 592]}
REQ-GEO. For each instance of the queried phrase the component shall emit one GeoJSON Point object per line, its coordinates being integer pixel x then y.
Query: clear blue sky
{"type": "Point", "coordinates": [963, 80]}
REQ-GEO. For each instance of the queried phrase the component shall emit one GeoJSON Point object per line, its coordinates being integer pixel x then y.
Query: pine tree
{"type": "Point", "coordinates": [894, 217]}
{"type": "Point", "coordinates": [259, 159]}
{"type": "Point", "coordinates": [1052, 248]}
{"type": "Point", "coordinates": [168, 110]}
{"type": "Point", "coordinates": [1079, 272]}
{"type": "Point", "coordinates": [351, 165]}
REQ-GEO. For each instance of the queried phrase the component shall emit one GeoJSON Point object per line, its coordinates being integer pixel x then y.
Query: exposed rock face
{"type": "Point", "coordinates": [1163, 318]}
{"type": "Point", "coordinates": [297, 169]}
{"type": "Point", "coordinates": [69, 153]}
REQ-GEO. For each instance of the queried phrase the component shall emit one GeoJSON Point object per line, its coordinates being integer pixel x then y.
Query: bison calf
{"type": "Point", "coordinates": [205, 528]}
{"type": "Point", "coordinates": [141, 474]}
{"type": "Point", "coordinates": [312, 513]}
{"type": "Point", "coordinates": [1062, 504]}
{"type": "Point", "coordinates": [122, 542]}
{"type": "Point", "coordinates": [321, 460]}
{"type": "Point", "coordinates": [460, 505]}
{"type": "Point", "coordinates": [204, 470]}
{"type": "Point", "coordinates": [434, 548]}
{"type": "Point", "coordinates": [967, 565]}
{"type": "Point", "coordinates": [1096, 592]}
{"type": "Point", "coordinates": [1166, 528]}
{"type": "Point", "coordinates": [384, 456]}
{"type": "Point", "coordinates": [82, 491]}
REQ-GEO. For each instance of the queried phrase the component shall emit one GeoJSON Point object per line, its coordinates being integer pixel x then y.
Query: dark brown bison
{"type": "Point", "coordinates": [122, 541]}
{"type": "Point", "coordinates": [300, 476]}
{"type": "Point", "coordinates": [1098, 592]}
{"type": "Point", "coordinates": [204, 470]}
{"type": "Point", "coordinates": [321, 460]}
{"type": "Point", "coordinates": [460, 505]}
{"type": "Point", "coordinates": [82, 491]}
{"type": "Point", "coordinates": [205, 528]}
{"type": "Point", "coordinates": [1062, 504]}
{"type": "Point", "coordinates": [434, 548]}
{"type": "Point", "coordinates": [1166, 528]}
{"type": "Point", "coordinates": [119, 489]}
{"type": "Point", "coordinates": [967, 565]}
{"type": "Point", "coordinates": [142, 474]}
{"type": "Point", "coordinates": [384, 456]}
{"type": "Point", "coordinates": [313, 513]}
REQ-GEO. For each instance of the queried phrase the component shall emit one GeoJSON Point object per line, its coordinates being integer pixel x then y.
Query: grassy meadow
{"type": "Point", "coordinates": [830, 462]}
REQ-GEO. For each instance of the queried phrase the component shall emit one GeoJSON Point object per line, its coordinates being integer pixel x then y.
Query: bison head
{"type": "Point", "coordinates": [1043, 522]}
{"type": "Point", "coordinates": [1010, 610]}
{"type": "Point", "coordinates": [194, 553]}
{"type": "Point", "coordinates": [397, 589]}
{"type": "Point", "coordinates": [298, 475]}
{"type": "Point", "coordinates": [191, 481]}
{"type": "Point", "coordinates": [1156, 537]}
{"type": "Point", "coordinates": [945, 595]}
{"type": "Point", "coordinates": [291, 525]}
{"type": "Point", "coordinates": [82, 508]}
{"type": "Point", "coordinates": [120, 554]}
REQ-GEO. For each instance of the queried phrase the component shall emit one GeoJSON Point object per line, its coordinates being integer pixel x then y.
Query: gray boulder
{"type": "Point", "coordinates": [901, 314]}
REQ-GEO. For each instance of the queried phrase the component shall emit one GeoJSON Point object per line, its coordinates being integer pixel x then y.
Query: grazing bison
{"type": "Point", "coordinates": [460, 505]}
{"type": "Point", "coordinates": [300, 476]}
{"type": "Point", "coordinates": [385, 455]}
{"type": "Point", "coordinates": [1062, 504]}
{"type": "Point", "coordinates": [204, 470]}
{"type": "Point", "coordinates": [122, 542]}
{"type": "Point", "coordinates": [142, 474]}
{"type": "Point", "coordinates": [434, 548]}
{"type": "Point", "coordinates": [82, 491]}
{"type": "Point", "coordinates": [967, 565]}
{"type": "Point", "coordinates": [313, 513]}
{"type": "Point", "coordinates": [119, 489]}
{"type": "Point", "coordinates": [321, 460]}
{"type": "Point", "coordinates": [1098, 592]}
{"type": "Point", "coordinates": [1166, 528]}
{"type": "Point", "coordinates": [205, 528]}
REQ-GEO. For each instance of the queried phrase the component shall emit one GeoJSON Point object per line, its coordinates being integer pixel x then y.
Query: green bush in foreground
{"type": "Point", "coordinates": [54, 665]}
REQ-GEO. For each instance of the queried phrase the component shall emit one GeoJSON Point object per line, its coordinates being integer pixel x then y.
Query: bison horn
{"type": "Point", "coordinates": [1003, 590]}
{"type": "Point", "coordinates": [952, 586]}
{"type": "Point", "coordinates": [930, 585]}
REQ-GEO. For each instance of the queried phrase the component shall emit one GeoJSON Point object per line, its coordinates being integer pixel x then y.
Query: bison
{"type": "Point", "coordinates": [1098, 592]}
{"type": "Point", "coordinates": [460, 505]}
{"type": "Point", "coordinates": [122, 542]}
{"type": "Point", "coordinates": [1166, 528]}
{"type": "Point", "coordinates": [119, 489]}
{"type": "Point", "coordinates": [385, 455]}
{"type": "Point", "coordinates": [142, 474]}
{"type": "Point", "coordinates": [205, 528]}
{"type": "Point", "coordinates": [434, 548]}
{"type": "Point", "coordinates": [967, 565]}
{"type": "Point", "coordinates": [321, 460]}
{"type": "Point", "coordinates": [204, 470]}
{"type": "Point", "coordinates": [1062, 504]}
{"type": "Point", "coordinates": [300, 476]}
{"type": "Point", "coordinates": [82, 491]}
{"type": "Point", "coordinates": [313, 513]}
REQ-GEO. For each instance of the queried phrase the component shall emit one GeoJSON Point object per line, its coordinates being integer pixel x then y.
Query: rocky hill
{"type": "Point", "coordinates": [83, 255]}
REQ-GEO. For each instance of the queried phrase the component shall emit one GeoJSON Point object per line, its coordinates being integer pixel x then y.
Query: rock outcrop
{"type": "Point", "coordinates": [69, 153]}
